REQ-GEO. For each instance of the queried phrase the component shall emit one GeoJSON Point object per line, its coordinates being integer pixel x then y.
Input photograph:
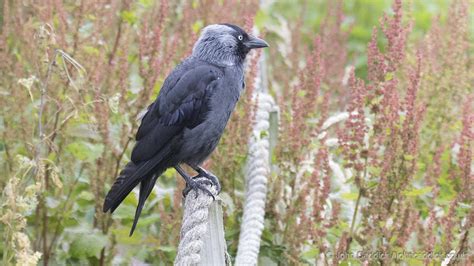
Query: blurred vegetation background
{"type": "Point", "coordinates": [76, 74]}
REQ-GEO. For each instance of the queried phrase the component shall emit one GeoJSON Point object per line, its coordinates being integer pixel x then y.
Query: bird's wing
{"type": "Point", "coordinates": [185, 104]}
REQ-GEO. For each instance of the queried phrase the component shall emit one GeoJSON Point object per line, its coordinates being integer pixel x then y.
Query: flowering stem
{"type": "Point", "coordinates": [42, 103]}
{"type": "Point", "coordinates": [356, 209]}
{"type": "Point", "coordinates": [354, 216]}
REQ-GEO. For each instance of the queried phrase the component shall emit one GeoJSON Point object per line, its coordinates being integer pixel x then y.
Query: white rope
{"type": "Point", "coordinates": [257, 170]}
{"type": "Point", "coordinates": [194, 227]}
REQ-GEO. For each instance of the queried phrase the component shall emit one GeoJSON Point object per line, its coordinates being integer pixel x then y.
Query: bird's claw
{"type": "Point", "coordinates": [198, 184]}
{"type": "Point", "coordinates": [209, 176]}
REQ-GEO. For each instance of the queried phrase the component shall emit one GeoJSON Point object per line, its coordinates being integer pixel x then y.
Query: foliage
{"type": "Point", "coordinates": [374, 149]}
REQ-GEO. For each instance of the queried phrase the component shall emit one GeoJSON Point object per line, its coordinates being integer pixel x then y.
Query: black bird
{"type": "Point", "coordinates": [186, 121]}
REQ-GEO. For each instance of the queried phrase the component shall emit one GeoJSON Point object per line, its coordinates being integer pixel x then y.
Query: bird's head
{"type": "Point", "coordinates": [225, 44]}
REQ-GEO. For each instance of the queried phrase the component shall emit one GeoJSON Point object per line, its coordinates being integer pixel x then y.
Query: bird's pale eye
{"type": "Point", "coordinates": [240, 37]}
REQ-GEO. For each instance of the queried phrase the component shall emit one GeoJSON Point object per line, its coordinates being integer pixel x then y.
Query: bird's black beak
{"type": "Point", "coordinates": [255, 42]}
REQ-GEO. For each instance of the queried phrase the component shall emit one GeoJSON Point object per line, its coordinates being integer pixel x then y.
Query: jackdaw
{"type": "Point", "coordinates": [186, 121]}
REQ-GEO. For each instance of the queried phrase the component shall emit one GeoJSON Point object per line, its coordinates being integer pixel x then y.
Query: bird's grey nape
{"type": "Point", "coordinates": [217, 45]}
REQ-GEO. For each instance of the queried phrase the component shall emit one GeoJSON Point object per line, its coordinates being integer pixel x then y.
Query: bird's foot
{"type": "Point", "coordinates": [215, 181]}
{"type": "Point", "coordinates": [201, 181]}
{"type": "Point", "coordinates": [198, 184]}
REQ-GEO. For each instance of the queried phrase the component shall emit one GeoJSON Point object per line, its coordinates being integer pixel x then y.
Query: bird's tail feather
{"type": "Point", "coordinates": [122, 186]}
{"type": "Point", "coordinates": [146, 186]}
{"type": "Point", "coordinates": [129, 178]}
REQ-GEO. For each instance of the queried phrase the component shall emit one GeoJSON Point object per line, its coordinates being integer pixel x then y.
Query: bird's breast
{"type": "Point", "coordinates": [203, 139]}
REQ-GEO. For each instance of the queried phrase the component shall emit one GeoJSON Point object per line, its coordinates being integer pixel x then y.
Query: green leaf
{"type": "Point", "coordinates": [167, 248]}
{"type": "Point", "coordinates": [301, 93]}
{"type": "Point", "coordinates": [416, 192]}
{"type": "Point", "coordinates": [170, 251]}
{"type": "Point", "coordinates": [375, 171]}
{"type": "Point", "coordinates": [389, 76]}
{"type": "Point", "coordinates": [85, 151]}
{"type": "Point", "coordinates": [197, 26]}
{"type": "Point", "coordinates": [350, 196]}
{"type": "Point", "coordinates": [124, 212]}
{"type": "Point", "coordinates": [90, 50]}
{"type": "Point", "coordinates": [86, 195]}
{"type": "Point", "coordinates": [85, 198]}
{"type": "Point", "coordinates": [123, 237]}
{"type": "Point", "coordinates": [150, 219]}
{"type": "Point", "coordinates": [447, 191]}
{"type": "Point", "coordinates": [310, 254]}
{"type": "Point", "coordinates": [372, 184]}
{"type": "Point", "coordinates": [129, 16]}
{"type": "Point", "coordinates": [260, 18]}
{"type": "Point", "coordinates": [146, 3]}
{"type": "Point", "coordinates": [87, 244]}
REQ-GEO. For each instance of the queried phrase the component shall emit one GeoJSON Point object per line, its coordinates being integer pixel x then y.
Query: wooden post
{"type": "Point", "coordinates": [202, 231]}
{"type": "Point", "coordinates": [215, 248]}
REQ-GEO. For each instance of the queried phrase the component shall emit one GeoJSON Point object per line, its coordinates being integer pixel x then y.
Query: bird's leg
{"type": "Point", "coordinates": [204, 173]}
{"type": "Point", "coordinates": [192, 184]}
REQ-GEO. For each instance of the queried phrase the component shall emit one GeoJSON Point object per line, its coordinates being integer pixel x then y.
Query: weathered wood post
{"type": "Point", "coordinates": [215, 247]}
{"type": "Point", "coordinates": [202, 231]}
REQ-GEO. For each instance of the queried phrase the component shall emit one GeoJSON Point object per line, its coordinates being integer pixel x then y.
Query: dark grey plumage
{"type": "Point", "coordinates": [187, 119]}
